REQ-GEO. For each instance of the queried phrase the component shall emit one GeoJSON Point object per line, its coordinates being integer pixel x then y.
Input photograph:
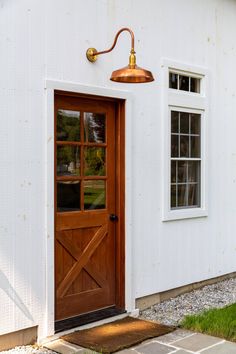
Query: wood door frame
{"type": "Point", "coordinates": [46, 325]}
{"type": "Point", "coordinates": [119, 106]}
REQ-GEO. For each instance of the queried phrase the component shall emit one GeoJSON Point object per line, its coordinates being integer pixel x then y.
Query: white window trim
{"type": "Point", "coordinates": [185, 102]}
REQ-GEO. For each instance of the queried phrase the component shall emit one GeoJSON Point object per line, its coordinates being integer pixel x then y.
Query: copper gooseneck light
{"type": "Point", "coordinates": [130, 73]}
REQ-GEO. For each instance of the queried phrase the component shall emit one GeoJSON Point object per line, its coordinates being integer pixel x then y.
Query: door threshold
{"type": "Point", "coordinates": [87, 318]}
{"type": "Point", "coordinates": [85, 326]}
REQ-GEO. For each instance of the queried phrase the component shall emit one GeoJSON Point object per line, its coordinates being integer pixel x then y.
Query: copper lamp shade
{"type": "Point", "coordinates": [130, 73]}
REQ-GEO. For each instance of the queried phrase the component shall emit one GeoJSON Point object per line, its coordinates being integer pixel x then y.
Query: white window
{"type": "Point", "coordinates": [184, 114]}
{"type": "Point", "coordinates": [185, 166]}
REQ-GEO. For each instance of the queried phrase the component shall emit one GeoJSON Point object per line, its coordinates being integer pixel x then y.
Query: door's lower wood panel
{"type": "Point", "coordinates": [83, 219]}
{"type": "Point", "coordinates": [94, 298]}
{"type": "Point", "coordinates": [85, 278]}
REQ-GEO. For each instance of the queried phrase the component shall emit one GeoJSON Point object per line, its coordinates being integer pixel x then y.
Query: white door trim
{"type": "Point", "coordinates": [50, 87]}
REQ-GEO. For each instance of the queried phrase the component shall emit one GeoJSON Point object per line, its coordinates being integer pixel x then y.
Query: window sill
{"type": "Point", "coordinates": [184, 214]}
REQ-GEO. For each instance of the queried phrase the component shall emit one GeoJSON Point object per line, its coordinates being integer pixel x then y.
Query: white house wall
{"type": "Point", "coordinates": [47, 39]}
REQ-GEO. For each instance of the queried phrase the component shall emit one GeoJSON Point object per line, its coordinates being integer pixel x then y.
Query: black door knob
{"type": "Point", "coordinates": [113, 217]}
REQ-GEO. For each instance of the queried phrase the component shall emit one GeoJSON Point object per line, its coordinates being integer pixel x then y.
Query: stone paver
{"type": "Point", "coordinates": [173, 336]}
{"type": "Point", "coordinates": [224, 348]}
{"type": "Point", "coordinates": [181, 351]}
{"type": "Point", "coordinates": [196, 342]}
{"type": "Point", "coordinates": [154, 348]}
{"type": "Point", "coordinates": [63, 347]}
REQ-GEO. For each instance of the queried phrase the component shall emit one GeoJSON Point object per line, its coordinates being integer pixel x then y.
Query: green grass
{"type": "Point", "coordinates": [216, 322]}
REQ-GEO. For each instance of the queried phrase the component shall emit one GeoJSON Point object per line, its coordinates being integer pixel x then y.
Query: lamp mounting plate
{"type": "Point", "coordinates": [91, 54]}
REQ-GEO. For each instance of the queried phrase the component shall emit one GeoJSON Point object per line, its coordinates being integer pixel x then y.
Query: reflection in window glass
{"type": "Point", "coordinates": [68, 195]}
{"type": "Point", "coordinates": [173, 171]}
{"type": "Point", "coordinates": [195, 85]}
{"type": "Point", "coordinates": [184, 146]}
{"type": "Point", "coordinates": [193, 171]}
{"type": "Point", "coordinates": [174, 145]}
{"type": "Point", "coordinates": [195, 123]}
{"type": "Point", "coordinates": [174, 122]}
{"type": "Point", "coordinates": [184, 123]}
{"type": "Point", "coordinates": [195, 146]}
{"type": "Point", "coordinates": [173, 80]}
{"type": "Point", "coordinates": [68, 125]}
{"type": "Point", "coordinates": [68, 160]}
{"type": "Point", "coordinates": [182, 167]}
{"type": "Point", "coordinates": [183, 83]}
{"type": "Point", "coordinates": [173, 196]}
{"type": "Point", "coordinates": [182, 195]}
{"type": "Point", "coordinates": [94, 161]}
{"type": "Point", "coordinates": [94, 127]}
{"type": "Point", "coordinates": [94, 194]}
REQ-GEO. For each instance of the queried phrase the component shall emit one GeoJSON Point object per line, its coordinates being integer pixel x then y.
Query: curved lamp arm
{"type": "Point", "coordinates": [92, 53]}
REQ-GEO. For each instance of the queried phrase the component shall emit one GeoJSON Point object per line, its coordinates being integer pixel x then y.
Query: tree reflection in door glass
{"type": "Point", "coordinates": [68, 160]}
{"type": "Point", "coordinates": [94, 194]}
{"type": "Point", "coordinates": [94, 127]}
{"type": "Point", "coordinates": [68, 125]}
{"type": "Point", "coordinates": [94, 161]}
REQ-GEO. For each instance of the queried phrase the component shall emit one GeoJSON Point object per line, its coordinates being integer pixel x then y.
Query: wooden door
{"type": "Point", "coordinates": [87, 251]}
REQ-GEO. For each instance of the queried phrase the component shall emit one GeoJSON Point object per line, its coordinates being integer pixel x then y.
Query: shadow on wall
{"type": "Point", "coordinates": [6, 286]}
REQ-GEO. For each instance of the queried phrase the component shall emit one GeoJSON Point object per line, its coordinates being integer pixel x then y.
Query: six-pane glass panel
{"type": "Point", "coordinates": [70, 150]}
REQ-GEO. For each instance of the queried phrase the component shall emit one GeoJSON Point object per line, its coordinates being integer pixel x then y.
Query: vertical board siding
{"type": "Point", "coordinates": [48, 39]}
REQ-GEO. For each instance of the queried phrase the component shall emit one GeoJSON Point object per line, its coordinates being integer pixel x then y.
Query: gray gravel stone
{"type": "Point", "coordinates": [172, 311]}
{"type": "Point", "coordinates": [28, 349]}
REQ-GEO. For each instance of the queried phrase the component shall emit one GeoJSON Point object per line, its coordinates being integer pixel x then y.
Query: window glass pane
{"type": "Point", "coordinates": [94, 127]}
{"type": "Point", "coordinates": [182, 195]}
{"type": "Point", "coordinates": [173, 171]}
{"type": "Point", "coordinates": [94, 194]}
{"type": "Point", "coordinates": [174, 146]}
{"type": "Point", "coordinates": [183, 83]}
{"type": "Point", "coordinates": [173, 80]}
{"type": "Point", "coordinates": [68, 195]}
{"type": "Point", "coordinates": [193, 171]}
{"type": "Point", "coordinates": [68, 160]}
{"type": "Point", "coordinates": [174, 122]}
{"type": "Point", "coordinates": [182, 171]}
{"type": "Point", "coordinates": [195, 85]}
{"type": "Point", "coordinates": [94, 161]}
{"type": "Point", "coordinates": [194, 195]}
{"type": "Point", "coordinates": [68, 125]}
{"type": "Point", "coordinates": [184, 146]}
{"type": "Point", "coordinates": [173, 196]}
{"type": "Point", "coordinates": [184, 123]}
{"type": "Point", "coordinates": [195, 123]}
{"type": "Point", "coordinates": [195, 146]}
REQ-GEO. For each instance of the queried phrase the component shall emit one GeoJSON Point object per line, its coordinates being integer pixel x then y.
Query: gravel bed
{"type": "Point", "coordinates": [28, 349]}
{"type": "Point", "coordinates": [172, 311]}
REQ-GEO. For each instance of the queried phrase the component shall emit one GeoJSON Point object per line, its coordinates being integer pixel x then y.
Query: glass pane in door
{"type": "Point", "coordinates": [68, 125]}
{"type": "Point", "coordinates": [68, 195]}
{"type": "Point", "coordinates": [94, 127]}
{"type": "Point", "coordinates": [94, 194]}
{"type": "Point", "coordinates": [94, 161]}
{"type": "Point", "coordinates": [68, 160]}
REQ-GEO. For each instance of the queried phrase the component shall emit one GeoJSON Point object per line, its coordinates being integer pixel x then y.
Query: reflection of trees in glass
{"type": "Point", "coordinates": [94, 127]}
{"type": "Point", "coordinates": [68, 125]}
{"type": "Point", "coordinates": [94, 161]}
{"type": "Point", "coordinates": [68, 160]}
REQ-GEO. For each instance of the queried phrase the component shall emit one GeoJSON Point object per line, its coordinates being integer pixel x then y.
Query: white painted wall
{"type": "Point", "coordinates": [42, 39]}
